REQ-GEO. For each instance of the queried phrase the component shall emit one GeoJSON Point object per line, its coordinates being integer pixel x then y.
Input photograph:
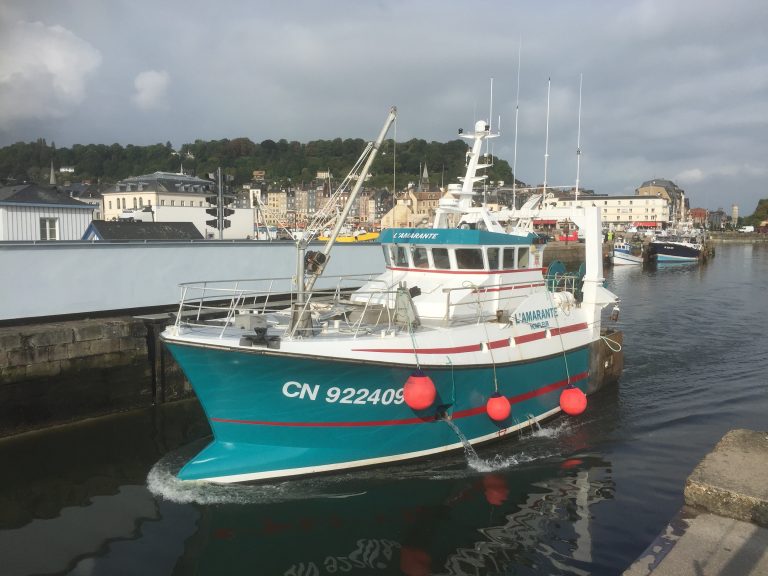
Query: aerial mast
{"type": "Point", "coordinates": [546, 144]}
{"type": "Point", "coordinates": [578, 141]}
{"type": "Point", "coordinates": [517, 110]}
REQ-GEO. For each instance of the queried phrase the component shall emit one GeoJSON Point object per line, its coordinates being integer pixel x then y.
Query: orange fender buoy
{"type": "Point", "coordinates": [498, 407]}
{"type": "Point", "coordinates": [573, 401]}
{"type": "Point", "coordinates": [419, 391]}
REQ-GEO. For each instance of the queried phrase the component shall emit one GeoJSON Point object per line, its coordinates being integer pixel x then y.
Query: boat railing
{"type": "Point", "coordinates": [201, 301]}
{"type": "Point", "coordinates": [370, 310]}
{"type": "Point", "coordinates": [483, 301]}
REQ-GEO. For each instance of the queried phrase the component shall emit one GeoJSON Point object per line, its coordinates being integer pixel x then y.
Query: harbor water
{"type": "Point", "coordinates": [583, 495]}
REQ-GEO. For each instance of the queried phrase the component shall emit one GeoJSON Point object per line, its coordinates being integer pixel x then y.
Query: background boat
{"type": "Point", "coordinates": [625, 253]}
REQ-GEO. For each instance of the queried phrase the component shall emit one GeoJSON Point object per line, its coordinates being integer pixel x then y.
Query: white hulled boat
{"type": "Point", "coordinates": [461, 332]}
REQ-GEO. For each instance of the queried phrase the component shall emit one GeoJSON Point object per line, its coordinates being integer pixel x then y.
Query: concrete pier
{"type": "Point", "coordinates": [723, 527]}
{"type": "Point", "coordinates": [57, 372]}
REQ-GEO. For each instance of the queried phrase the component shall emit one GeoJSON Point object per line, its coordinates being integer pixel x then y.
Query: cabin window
{"type": "Point", "coordinates": [522, 257]}
{"type": "Point", "coordinates": [419, 255]}
{"type": "Point", "coordinates": [401, 257]}
{"type": "Point", "coordinates": [493, 258]}
{"type": "Point", "coordinates": [387, 255]}
{"type": "Point", "coordinates": [508, 262]}
{"type": "Point", "coordinates": [49, 228]}
{"type": "Point", "coordinates": [440, 258]}
{"type": "Point", "coordinates": [469, 259]}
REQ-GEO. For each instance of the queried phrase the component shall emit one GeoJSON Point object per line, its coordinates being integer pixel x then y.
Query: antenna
{"type": "Point", "coordinates": [490, 118]}
{"type": "Point", "coordinates": [517, 110]}
{"type": "Point", "coordinates": [546, 144]}
{"type": "Point", "coordinates": [578, 140]}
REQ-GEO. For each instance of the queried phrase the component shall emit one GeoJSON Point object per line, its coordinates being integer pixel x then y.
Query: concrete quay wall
{"type": "Point", "coordinates": [58, 372]}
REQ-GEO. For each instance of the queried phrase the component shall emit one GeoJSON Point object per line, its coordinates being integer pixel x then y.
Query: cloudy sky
{"type": "Point", "coordinates": [671, 89]}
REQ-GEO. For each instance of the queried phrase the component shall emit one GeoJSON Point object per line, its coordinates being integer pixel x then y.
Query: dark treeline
{"type": "Point", "coordinates": [285, 163]}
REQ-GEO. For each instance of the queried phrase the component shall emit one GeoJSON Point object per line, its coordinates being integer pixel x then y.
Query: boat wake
{"type": "Point", "coordinates": [162, 480]}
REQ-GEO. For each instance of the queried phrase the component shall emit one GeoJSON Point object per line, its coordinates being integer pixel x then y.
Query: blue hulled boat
{"type": "Point", "coordinates": [675, 249]}
{"type": "Point", "coordinates": [627, 253]}
{"type": "Point", "coordinates": [461, 331]}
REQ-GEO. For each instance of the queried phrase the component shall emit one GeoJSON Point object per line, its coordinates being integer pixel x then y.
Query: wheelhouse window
{"type": "Point", "coordinates": [522, 257]}
{"type": "Point", "coordinates": [400, 257]}
{"type": "Point", "coordinates": [493, 258]}
{"type": "Point", "coordinates": [49, 228]}
{"type": "Point", "coordinates": [440, 259]}
{"type": "Point", "coordinates": [508, 259]}
{"type": "Point", "coordinates": [469, 259]}
{"type": "Point", "coordinates": [419, 256]}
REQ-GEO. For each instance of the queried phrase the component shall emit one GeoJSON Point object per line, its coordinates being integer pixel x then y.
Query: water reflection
{"type": "Point", "coordinates": [76, 489]}
{"type": "Point", "coordinates": [452, 523]}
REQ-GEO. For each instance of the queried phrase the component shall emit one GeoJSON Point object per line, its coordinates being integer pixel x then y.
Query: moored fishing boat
{"type": "Point", "coordinates": [675, 249]}
{"type": "Point", "coordinates": [627, 252]}
{"type": "Point", "coordinates": [460, 338]}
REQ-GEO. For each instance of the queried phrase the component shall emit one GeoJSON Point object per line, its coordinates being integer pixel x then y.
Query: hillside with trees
{"type": "Point", "coordinates": [760, 214]}
{"type": "Point", "coordinates": [284, 162]}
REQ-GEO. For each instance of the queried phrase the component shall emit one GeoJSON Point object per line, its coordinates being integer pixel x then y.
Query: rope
{"type": "Point", "coordinates": [413, 341]}
{"type": "Point", "coordinates": [475, 287]}
{"type": "Point", "coordinates": [453, 382]}
{"type": "Point", "coordinates": [560, 336]}
{"type": "Point", "coordinates": [608, 343]}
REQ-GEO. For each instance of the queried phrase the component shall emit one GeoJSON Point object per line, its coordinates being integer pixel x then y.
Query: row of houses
{"type": "Point", "coordinates": [33, 212]}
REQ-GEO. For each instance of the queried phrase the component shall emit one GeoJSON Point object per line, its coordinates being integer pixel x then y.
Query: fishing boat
{"type": "Point", "coordinates": [625, 252]}
{"type": "Point", "coordinates": [675, 249]}
{"type": "Point", "coordinates": [461, 339]}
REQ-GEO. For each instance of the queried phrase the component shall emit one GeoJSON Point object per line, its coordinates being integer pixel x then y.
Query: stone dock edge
{"type": "Point", "coordinates": [722, 529]}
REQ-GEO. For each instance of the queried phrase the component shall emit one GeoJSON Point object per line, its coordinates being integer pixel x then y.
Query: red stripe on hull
{"type": "Point", "coordinates": [415, 420]}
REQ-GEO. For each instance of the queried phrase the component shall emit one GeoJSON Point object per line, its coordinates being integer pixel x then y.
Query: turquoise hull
{"type": "Point", "coordinates": [275, 415]}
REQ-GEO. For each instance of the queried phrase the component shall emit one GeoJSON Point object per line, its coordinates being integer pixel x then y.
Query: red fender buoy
{"type": "Point", "coordinates": [419, 391]}
{"type": "Point", "coordinates": [573, 401]}
{"type": "Point", "coordinates": [498, 407]}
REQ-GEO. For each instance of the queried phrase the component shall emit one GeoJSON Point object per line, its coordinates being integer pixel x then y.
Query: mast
{"type": "Point", "coordinates": [369, 154]}
{"type": "Point", "coordinates": [546, 145]}
{"type": "Point", "coordinates": [490, 119]}
{"type": "Point", "coordinates": [578, 140]}
{"type": "Point", "coordinates": [517, 110]}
